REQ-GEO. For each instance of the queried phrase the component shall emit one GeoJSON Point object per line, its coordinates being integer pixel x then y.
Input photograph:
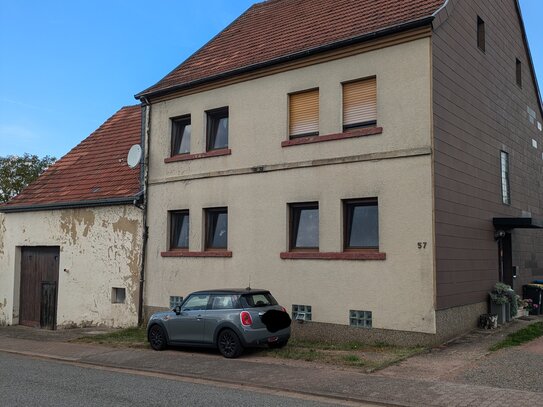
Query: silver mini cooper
{"type": "Point", "coordinates": [229, 319]}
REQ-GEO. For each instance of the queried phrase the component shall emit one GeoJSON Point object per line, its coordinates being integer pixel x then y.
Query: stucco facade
{"type": "Point", "coordinates": [100, 248]}
{"type": "Point", "coordinates": [260, 178]}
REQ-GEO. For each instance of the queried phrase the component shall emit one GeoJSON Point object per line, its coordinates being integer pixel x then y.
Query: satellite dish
{"type": "Point", "coordinates": [134, 156]}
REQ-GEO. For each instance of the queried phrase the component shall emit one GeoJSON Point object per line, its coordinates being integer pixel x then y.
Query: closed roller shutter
{"type": "Point", "coordinates": [304, 114]}
{"type": "Point", "coordinates": [360, 103]}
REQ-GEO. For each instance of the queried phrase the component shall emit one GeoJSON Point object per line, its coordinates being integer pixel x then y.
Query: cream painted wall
{"type": "Point", "coordinates": [399, 290]}
{"type": "Point", "coordinates": [258, 119]}
{"type": "Point", "coordinates": [100, 248]}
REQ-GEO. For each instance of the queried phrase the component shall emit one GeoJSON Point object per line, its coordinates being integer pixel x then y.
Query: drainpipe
{"type": "Point", "coordinates": [145, 134]}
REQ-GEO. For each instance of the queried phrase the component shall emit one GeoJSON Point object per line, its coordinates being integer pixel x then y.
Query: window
{"type": "Point", "coordinates": [359, 104]}
{"type": "Point", "coordinates": [304, 226]}
{"type": "Point", "coordinates": [301, 312]}
{"type": "Point", "coordinates": [179, 230]}
{"type": "Point", "coordinates": [519, 73]}
{"type": "Point", "coordinates": [220, 302]}
{"type": "Point", "coordinates": [216, 229]}
{"type": "Point", "coordinates": [217, 129]}
{"type": "Point", "coordinates": [175, 301]}
{"type": "Point", "coordinates": [361, 224]}
{"type": "Point", "coordinates": [304, 114]}
{"type": "Point", "coordinates": [506, 193]}
{"type": "Point", "coordinates": [257, 300]}
{"type": "Point", "coordinates": [196, 303]}
{"type": "Point", "coordinates": [181, 130]}
{"type": "Point", "coordinates": [361, 319]}
{"type": "Point", "coordinates": [118, 295]}
{"type": "Point", "coordinates": [481, 41]}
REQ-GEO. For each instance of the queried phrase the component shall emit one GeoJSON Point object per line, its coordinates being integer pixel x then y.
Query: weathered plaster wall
{"type": "Point", "coordinates": [399, 290]}
{"type": "Point", "coordinates": [100, 248]}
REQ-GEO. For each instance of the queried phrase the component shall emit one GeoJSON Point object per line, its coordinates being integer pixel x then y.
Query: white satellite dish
{"type": "Point", "coordinates": [134, 156]}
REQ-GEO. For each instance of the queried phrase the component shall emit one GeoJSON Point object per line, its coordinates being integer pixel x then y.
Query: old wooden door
{"type": "Point", "coordinates": [39, 286]}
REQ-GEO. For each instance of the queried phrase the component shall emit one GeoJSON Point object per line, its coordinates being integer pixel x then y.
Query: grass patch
{"type": "Point", "coordinates": [368, 357]}
{"type": "Point", "coordinates": [130, 337]}
{"type": "Point", "coordinates": [527, 334]}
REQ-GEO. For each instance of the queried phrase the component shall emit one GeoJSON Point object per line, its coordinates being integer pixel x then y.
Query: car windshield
{"type": "Point", "coordinates": [257, 300]}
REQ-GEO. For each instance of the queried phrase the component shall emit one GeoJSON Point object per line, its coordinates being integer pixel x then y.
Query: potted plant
{"type": "Point", "coordinates": [503, 302]}
{"type": "Point", "coordinates": [528, 306]}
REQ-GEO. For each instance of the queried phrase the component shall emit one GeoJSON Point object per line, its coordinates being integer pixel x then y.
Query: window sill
{"type": "Point", "coordinates": [333, 256]}
{"type": "Point", "coordinates": [186, 253]}
{"type": "Point", "coordinates": [369, 131]}
{"type": "Point", "coordinates": [189, 157]}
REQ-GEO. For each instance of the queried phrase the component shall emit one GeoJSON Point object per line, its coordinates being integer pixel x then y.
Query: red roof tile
{"type": "Point", "coordinates": [275, 29]}
{"type": "Point", "coordinates": [95, 170]}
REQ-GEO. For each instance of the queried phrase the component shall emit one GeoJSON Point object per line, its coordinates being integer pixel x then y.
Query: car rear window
{"type": "Point", "coordinates": [257, 300]}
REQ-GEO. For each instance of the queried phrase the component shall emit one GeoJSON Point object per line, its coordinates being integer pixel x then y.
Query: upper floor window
{"type": "Point", "coordinates": [181, 130]}
{"type": "Point", "coordinates": [359, 104]}
{"type": "Point", "coordinates": [304, 226]}
{"type": "Point", "coordinates": [217, 129]}
{"type": "Point", "coordinates": [304, 114]}
{"type": "Point", "coordinates": [506, 191]}
{"type": "Point", "coordinates": [216, 229]}
{"type": "Point", "coordinates": [481, 40]}
{"type": "Point", "coordinates": [361, 224]}
{"type": "Point", "coordinates": [519, 72]}
{"type": "Point", "coordinates": [179, 230]}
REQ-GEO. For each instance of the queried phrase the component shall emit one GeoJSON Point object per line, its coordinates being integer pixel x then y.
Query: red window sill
{"type": "Point", "coordinates": [188, 157]}
{"type": "Point", "coordinates": [368, 131]}
{"type": "Point", "coordinates": [333, 256]}
{"type": "Point", "coordinates": [186, 253]}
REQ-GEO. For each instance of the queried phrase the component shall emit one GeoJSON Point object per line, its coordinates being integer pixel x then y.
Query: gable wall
{"type": "Point", "coordinates": [478, 111]}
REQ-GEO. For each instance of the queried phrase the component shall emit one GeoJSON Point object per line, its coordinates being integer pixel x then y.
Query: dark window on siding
{"type": "Point", "coordinates": [217, 129]}
{"type": "Point", "coordinates": [361, 224]}
{"type": "Point", "coordinates": [304, 226]}
{"type": "Point", "coordinates": [216, 229]}
{"type": "Point", "coordinates": [481, 41]}
{"type": "Point", "coordinates": [179, 230]}
{"type": "Point", "coordinates": [181, 130]}
{"type": "Point", "coordinates": [506, 190]}
{"type": "Point", "coordinates": [519, 73]}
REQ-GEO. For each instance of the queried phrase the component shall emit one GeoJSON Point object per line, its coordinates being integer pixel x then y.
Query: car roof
{"type": "Point", "coordinates": [232, 291]}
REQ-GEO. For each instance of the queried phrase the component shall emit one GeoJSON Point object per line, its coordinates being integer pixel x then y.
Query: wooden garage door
{"type": "Point", "coordinates": [39, 286]}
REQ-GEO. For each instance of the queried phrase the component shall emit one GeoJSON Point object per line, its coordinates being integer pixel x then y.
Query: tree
{"type": "Point", "coordinates": [17, 172]}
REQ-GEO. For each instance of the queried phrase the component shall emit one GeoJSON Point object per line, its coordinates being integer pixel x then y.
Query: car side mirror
{"type": "Point", "coordinates": [177, 310]}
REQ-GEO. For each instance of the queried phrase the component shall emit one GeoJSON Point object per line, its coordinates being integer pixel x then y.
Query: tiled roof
{"type": "Point", "coordinates": [274, 29]}
{"type": "Point", "coordinates": [95, 170]}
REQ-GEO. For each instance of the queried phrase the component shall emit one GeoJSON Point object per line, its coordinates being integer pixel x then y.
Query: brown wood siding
{"type": "Point", "coordinates": [479, 110]}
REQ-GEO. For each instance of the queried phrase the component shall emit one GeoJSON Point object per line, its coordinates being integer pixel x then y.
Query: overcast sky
{"type": "Point", "coordinates": [66, 66]}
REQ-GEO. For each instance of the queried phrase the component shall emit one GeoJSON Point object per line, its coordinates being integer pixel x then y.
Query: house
{"type": "Point", "coordinates": [70, 243]}
{"type": "Point", "coordinates": [375, 164]}
{"type": "Point", "coordinates": [362, 160]}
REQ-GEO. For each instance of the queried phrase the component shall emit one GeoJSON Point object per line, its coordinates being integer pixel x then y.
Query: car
{"type": "Point", "coordinates": [227, 319]}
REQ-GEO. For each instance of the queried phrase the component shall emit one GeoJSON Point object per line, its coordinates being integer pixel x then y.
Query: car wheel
{"type": "Point", "coordinates": [157, 338]}
{"type": "Point", "coordinates": [278, 344]}
{"type": "Point", "coordinates": [229, 344]}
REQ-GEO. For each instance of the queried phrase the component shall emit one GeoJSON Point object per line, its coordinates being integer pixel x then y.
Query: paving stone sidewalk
{"type": "Point", "coordinates": [318, 379]}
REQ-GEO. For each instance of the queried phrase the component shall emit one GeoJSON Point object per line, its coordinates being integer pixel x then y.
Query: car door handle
{"type": "Point", "coordinates": [199, 318]}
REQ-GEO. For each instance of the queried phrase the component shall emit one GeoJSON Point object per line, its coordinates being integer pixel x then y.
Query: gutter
{"type": "Point", "coordinates": [72, 205]}
{"type": "Point", "coordinates": [366, 37]}
{"type": "Point", "coordinates": [145, 134]}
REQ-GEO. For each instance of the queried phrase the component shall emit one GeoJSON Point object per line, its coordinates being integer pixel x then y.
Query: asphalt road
{"type": "Point", "coordinates": [33, 382]}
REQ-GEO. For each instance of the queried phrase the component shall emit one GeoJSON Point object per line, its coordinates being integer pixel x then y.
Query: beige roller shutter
{"type": "Point", "coordinates": [304, 113]}
{"type": "Point", "coordinates": [359, 102]}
